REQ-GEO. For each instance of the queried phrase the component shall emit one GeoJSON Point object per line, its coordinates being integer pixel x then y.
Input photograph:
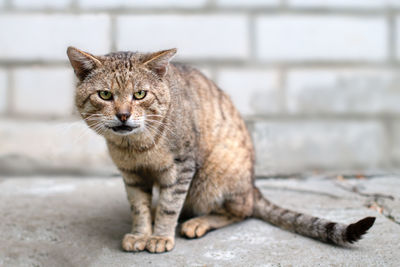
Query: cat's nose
{"type": "Point", "coordinates": [123, 116]}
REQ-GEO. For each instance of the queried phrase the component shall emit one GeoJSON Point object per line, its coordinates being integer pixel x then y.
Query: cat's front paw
{"type": "Point", "coordinates": [132, 242]}
{"type": "Point", "coordinates": [160, 244]}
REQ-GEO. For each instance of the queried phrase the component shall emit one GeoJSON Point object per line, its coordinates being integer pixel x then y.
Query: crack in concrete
{"type": "Point", "coordinates": [283, 176]}
{"type": "Point", "coordinates": [303, 191]}
{"type": "Point", "coordinates": [360, 175]}
{"type": "Point", "coordinates": [382, 209]}
{"type": "Point", "coordinates": [377, 202]}
{"type": "Point", "coordinates": [326, 175]}
{"type": "Point", "coordinates": [354, 189]}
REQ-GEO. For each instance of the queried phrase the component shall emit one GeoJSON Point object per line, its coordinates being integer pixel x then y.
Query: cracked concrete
{"type": "Point", "coordinates": [386, 203]}
{"type": "Point", "coordinates": [67, 221]}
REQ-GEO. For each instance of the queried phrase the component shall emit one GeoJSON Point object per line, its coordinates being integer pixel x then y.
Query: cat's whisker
{"type": "Point", "coordinates": [80, 135]}
{"type": "Point", "coordinates": [148, 134]}
{"type": "Point", "coordinates": [156, 131]}
{"type": "Point", "coordinates": [94, 116]}
{"type": "Point", "coordinates": [67, 127]}
{"type": "Point", "coordinates": [90, 121]}
{"type": "Point", "coordinates": [90, 113]}
{"type": "Point", "coordinates": [158, 116]}
{"type": "Point", "coordinates": [154, 115]}
{"type": "Point", "coordinates": [100, 130]}
{"type": "Point", "coordinates": [164, 126]}
{"type": "Point", "coordinates": [86, 131]}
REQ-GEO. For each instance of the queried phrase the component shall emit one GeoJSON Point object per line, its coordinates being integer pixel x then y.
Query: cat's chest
{"type": "Point", "coordinates": [155, 158]}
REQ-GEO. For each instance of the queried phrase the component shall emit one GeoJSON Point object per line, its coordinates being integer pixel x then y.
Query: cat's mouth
{"type": "Point", "coordinates": [124, 128]}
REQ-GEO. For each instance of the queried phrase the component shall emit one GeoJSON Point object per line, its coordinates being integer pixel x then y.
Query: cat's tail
{"type": "Point", "coordinates": [314, 227]}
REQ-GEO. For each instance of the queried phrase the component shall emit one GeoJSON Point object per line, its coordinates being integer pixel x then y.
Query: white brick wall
{"type": "Point", "coordinates": [40, 4]}
{"type": "Point", "coordinates": [327, 38]}
{"type": "Point", "coordinates": [355, 4]}
{"type": "Point", "coordinates": [206, 71]}
{"type": "Point", "coordinates": [397, 44]}
{"type": "Point", "coordinates": [43, 91]}
{"type": "Point", "coordinates": [157, 4]}
{"type": "Point", "coordinates": [392, 3]}
{"type": "Point", "coordinates": [248, 3]}
{"type": "Point", "coordinates": [396, 142]}
{"type": "Point", "coordinates": [332, 91]}
{"type": "Point", "coordinates": [54, 144]}
{"type": "Point", "coordinates": [194, 36]}
{"type": "Point", "coordinates": [3, 91]}
{"type": "Point", "coordinates": [316, 80]}
{"type": "Point", "coordinates": [253, 91]}
{"type": "Point", "coordinates": [295, 145]}
{"type": "Point", "coordinates": [46, 37]}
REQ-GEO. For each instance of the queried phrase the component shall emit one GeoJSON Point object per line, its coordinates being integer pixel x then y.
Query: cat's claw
{"type": "Point", "coordinates": [160, 244]}
{"type": "Point", "coordinates": [132, 242]}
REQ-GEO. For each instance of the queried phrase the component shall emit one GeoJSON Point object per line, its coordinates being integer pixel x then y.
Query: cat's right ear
{"type": "Point", "coordinates": [83, 63]}
{"type": "Point", "coordinates": [158, 61]}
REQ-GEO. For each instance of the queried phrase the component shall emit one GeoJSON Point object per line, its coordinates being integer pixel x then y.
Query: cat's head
{"type": "Point", "coordinates": [121, 93]}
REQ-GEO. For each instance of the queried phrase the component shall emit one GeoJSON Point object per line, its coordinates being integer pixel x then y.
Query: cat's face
{"type": "Point", "coordinates": [122, 93]}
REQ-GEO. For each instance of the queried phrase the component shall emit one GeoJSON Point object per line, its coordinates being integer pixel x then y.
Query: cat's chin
{"type": "Point", "coordinates": [125, 133]}
{"type": "Point", "coordinates": [124, 130]}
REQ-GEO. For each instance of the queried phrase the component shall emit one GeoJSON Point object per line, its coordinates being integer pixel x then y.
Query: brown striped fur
{"type": "Point", "coordinates": [190, 141]}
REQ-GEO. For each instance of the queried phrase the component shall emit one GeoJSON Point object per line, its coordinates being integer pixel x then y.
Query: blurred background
{"type": "Point", "coordinates": [316, 80]}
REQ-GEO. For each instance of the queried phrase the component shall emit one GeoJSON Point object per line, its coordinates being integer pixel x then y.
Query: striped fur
{"type": "Point", "coordinates": [314, 227]}
{"type": "Point", "coordinates": [190, 142]}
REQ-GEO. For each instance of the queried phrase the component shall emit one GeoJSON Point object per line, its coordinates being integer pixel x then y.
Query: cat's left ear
{"type": "Point", "coordinates": [82, 62]}
{"type": "Point", "coordinates": [159, 61]}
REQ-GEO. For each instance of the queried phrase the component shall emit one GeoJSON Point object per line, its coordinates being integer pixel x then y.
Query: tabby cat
{"type": "Point", "coordinates": [166, 125]}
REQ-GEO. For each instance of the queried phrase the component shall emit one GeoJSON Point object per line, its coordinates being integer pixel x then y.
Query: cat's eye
{"type": "Point", "coordinates": [105, 95]}
{"type": "Point", "coordinates": [139, 95]}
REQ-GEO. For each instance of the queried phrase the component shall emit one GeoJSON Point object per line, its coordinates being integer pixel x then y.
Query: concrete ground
{"type": "Point", "coordinates": [69, 221]}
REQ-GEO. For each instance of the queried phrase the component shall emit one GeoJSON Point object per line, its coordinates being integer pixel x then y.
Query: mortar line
{"type": "Point", "coordinates": [213, 73]}
{"type": "Point", "coordinates": [74, 6]}
{"type": "Point", "coordinates": [392, 37]}
{"type": "Point", "coordinates": [284, 5]}
{"type": "Point", "coordinates": [75, 10]}
{"type": "Point", "coordinates": [113, 34]}
{"type": "Point", "coordinates": [251, 38]}
{"type": "Point", "coordinates": [283, 90]}
{"type": "Point", "coordinates": [390, 137]}
{"type": "Point", "coordinates": [8, 5]}
{"type": "Point", "coordinates": [210, 4]}
{"type": "Point", "coordinates": [10, 109]}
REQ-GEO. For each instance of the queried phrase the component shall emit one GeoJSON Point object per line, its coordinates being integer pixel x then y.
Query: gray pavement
{"type": "Point", "coordinates": [70, 221]}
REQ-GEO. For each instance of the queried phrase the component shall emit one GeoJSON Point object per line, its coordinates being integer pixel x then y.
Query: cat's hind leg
{"type": "Point", "coordinates": [235, 208]}
{"type": "Point", "coordinates": [199, 226]}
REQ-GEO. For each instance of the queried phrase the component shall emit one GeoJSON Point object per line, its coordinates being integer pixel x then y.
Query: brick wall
{"type": "Point", "coordinates": [316, 80]}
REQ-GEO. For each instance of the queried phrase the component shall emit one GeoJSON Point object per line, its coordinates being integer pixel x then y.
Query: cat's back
{"type": "Point", "coordinates": [204, 95]}
{"type": "Point", "coordinates": [212, 105]}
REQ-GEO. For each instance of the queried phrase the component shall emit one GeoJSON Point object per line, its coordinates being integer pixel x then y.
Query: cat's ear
{"type": "Point", "coordinates": [82, 62]}
{"type": "Point", "coordinates": [158, 61]}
